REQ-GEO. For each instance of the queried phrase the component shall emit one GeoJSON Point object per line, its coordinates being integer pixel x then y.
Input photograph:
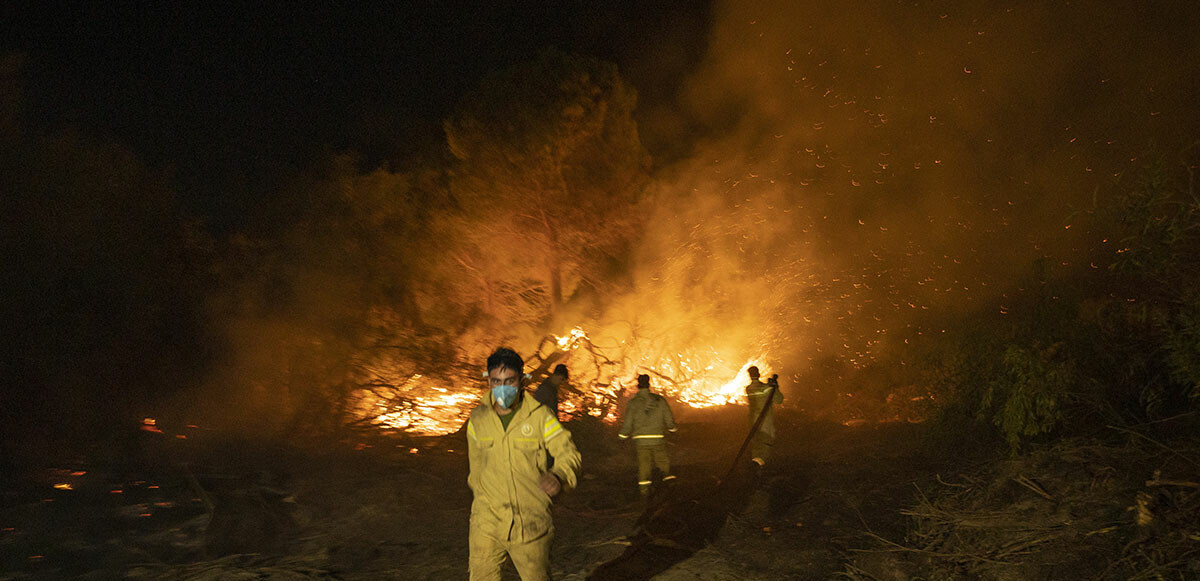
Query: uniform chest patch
{"type": "Point", "coordinates": [526, 429]}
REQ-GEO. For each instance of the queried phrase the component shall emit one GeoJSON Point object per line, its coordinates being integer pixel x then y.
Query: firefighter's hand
{"type": "Point", "coordinates": [549, 484]}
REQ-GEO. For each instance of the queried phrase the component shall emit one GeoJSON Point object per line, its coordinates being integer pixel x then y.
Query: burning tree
{"type": "Point", "coordinates": [550, 163]}
{"type": "Point", "coordinates": [367, 307]}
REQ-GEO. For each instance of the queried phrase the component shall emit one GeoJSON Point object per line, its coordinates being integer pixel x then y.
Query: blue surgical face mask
{"type": "Point", "coordinates": [505, 395]}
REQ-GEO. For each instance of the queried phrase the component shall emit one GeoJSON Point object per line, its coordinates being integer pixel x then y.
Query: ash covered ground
{"type": "Point", "coordinates": [389, 507]}
{"type": "Point", "coordinates": [870, 501]}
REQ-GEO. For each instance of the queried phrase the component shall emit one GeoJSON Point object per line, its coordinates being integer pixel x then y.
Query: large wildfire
{"type": "Point", "coordinates": [602, 371]}
{"type": "Point", "coordinates": [842, 204]}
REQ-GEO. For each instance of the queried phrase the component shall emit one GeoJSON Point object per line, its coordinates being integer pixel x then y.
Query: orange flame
{"type": "Point", "coordinates": [698, 378]}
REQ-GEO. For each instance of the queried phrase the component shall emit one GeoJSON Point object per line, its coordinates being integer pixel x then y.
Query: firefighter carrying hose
{"type": "Point", "coordinates": [647, 420]}
{"type": "Point", "coordinates": [757, 393]}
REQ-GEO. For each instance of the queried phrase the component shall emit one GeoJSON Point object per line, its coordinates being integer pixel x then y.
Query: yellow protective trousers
{"type": "Point", "coordinates": [651, 456]}
{"type": "Point", "coordinates": [532, 558]}
{"type": "Point", "coordinates": [760, 447]}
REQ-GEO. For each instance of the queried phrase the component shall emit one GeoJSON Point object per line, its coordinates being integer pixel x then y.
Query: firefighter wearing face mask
{"type": "Point", "coordinates": [508, 437]}
{"type": "Point", "coordinates": [647, 420]}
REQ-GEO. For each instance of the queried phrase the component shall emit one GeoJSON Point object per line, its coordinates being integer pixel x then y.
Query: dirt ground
{"type": "Point", "coordinates": [395, 508]}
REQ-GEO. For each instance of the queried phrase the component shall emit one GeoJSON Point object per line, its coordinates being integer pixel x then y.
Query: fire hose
{"type": "Point", "coordinates": [662, 511]}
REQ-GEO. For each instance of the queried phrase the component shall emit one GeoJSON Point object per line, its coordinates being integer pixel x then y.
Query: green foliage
{"type": "Point", "coordinates": [1016, 371]}
{"type": "Point", "coordinates": [959, 371]}
{"type": "Point", "coordinates": [1026, 397]}
{"type": "Point", "coordinates": [1121, 343]}
{"type": "Point", "coordinates": [1157, 225]}
{"type": "Point", "coordinates": [1019, 388]}
{"type": "Point", "coordinates": [1181, 341]}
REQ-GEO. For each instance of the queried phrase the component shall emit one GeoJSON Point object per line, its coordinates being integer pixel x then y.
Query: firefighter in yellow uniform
{"type": "Point", "coordinates": [647, 420]}
{"type": "Point", "coordinates": [757, 393]}
{"type": "Point", "coordinates": [508, 436]}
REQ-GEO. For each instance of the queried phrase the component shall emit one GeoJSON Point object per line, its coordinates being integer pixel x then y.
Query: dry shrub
{"type": "Point", "coordinates": [1080, 509]}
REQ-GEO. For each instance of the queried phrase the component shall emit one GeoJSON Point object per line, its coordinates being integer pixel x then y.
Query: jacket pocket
{"type": "Point", "coordinates": [479, 463]}
{"type": "Point", "coordinates": [530, 449]}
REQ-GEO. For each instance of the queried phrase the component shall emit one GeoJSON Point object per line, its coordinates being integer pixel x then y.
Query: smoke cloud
{"type": "Point", "coordinates": [862, 172]}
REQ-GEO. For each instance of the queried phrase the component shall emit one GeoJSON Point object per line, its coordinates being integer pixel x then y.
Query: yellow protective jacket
{"type": "Point", "coordinates": [506, 465]}
{"type": "Point", "coordinates": [648, 418]}
{"type": "Point", "coordinates": [756, 393]}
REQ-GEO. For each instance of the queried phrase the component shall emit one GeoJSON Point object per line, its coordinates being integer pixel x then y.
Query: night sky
{"type": "Point", "coordinates": [230, 100]}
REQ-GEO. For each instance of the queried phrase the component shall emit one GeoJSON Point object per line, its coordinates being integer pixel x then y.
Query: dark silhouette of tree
{"type": "Point", "coordinates": [324, 298]}
{"type": "Point", "coordinates": [105, 278]}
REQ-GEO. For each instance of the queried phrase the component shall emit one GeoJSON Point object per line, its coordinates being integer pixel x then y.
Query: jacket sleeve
{"type": "Point", "coordinates": [473, 454]}
{"type": "Point", "coordinates": [627, 421]}
{"type": "Point", "coordinates": [567, 459]}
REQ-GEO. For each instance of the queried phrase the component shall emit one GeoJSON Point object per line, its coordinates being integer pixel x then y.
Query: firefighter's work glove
{"type": "Point", "coordinates": [549, 484]}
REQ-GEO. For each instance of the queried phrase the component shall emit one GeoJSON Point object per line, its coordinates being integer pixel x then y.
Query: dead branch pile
{"type": "Point", "coordinates": [1080, 510]}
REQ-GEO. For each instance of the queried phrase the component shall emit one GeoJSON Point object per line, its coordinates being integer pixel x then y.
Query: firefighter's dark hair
{"type": "Point", "coordinates": [505, 357]}
{"type": "Point", "coordinates": [753, 372]}
{"type": "Point", "coordinates": [643, 381]}
{"type": "Point", "coordinates": [561, 369]}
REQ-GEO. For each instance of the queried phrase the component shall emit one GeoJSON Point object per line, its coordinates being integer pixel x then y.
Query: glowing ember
{"type": "Point", "coordinates": [64, 486]}
{"type": "Point", "coordinates": [421, 408]}
{"type": "Point", "coordinates": [570, 340]}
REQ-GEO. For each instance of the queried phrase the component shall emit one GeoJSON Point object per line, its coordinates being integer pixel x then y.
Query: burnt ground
{"type": "Point", "coordinates": [212, 508]}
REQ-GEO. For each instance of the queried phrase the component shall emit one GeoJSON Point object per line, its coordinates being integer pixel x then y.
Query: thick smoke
{"type": "Point", "coordinates": [864, 171]}
{"type": "Point", "coordinates": [856, 179]}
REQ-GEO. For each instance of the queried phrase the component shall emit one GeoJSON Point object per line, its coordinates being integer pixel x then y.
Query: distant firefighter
{"type": "Point", "coordinates": [547, 392]}
{"type": "Point", "coordinates": [757, 393]}
{"type": "Point", "coordinates": [547, 395]}
{"type": "Point", "coordinates": [647, 420]}
{"type": "Point", "coordinates": [508, 436]}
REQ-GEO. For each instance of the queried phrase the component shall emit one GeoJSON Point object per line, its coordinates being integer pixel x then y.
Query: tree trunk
{"type": "Point", "coordinates": [553, 264]}
{"type": "Point", "coordinates": [555, 284]}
